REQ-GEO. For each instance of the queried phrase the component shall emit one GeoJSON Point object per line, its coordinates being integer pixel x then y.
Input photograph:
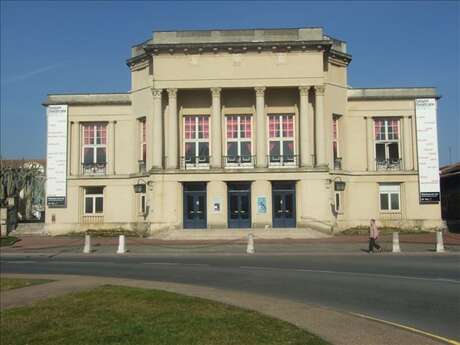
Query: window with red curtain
{"type": "Point", "coordinates": [281, 138]}
{"type": "Point", "coordinates": [94, 143]}
{"type": "Point", "coordinates": [239, 138]}
{"type": "Point", "coordinates": [196, 139]}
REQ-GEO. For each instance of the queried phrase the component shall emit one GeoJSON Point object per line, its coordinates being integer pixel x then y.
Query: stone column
{"type": "Point", "coordinates": [157, 130]}
{"type": "Point", "coordinates": [305, 149]}
{"type": "Point", "coordinates": [173, 130]}
{"type": "Point", "coordinates": [320, 129]}
{"type": "Point", "coordinates": [407, 142]}
{"type": "Point", "coordinates": [370, 143]}
{"type": "Point", "coordinates": [216, 129]}
{"type": "Point", "coordinates": [261, 131]}
{"type": "Point", "coordinates": [114, 149]}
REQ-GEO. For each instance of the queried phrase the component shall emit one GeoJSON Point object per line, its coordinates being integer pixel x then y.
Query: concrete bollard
{"type": "Point", "coordinates": [439, 242]}
{"type": "Point", "coordinates": [250, 247]}
{"type": "Point", "coordinates": [121, 245]}
{"type": "Point", "coordinates": [87, 247]}
{"type": "Point", "coordinates": [396, 248]}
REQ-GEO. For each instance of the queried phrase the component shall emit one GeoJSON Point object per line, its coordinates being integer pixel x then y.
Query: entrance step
{"type": "Point", "coordinates": [235, 234]}
{"type": "Point", "coordinates": [29, 229]}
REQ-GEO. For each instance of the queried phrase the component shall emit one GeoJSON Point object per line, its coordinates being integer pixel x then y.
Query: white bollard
{"type": "Point", "coordinates": [439, 242]}
{"type": "Point", "coordinates": [396, 248]}
{"type": "Point", "coordinates": [87, 247]}
{"type": "Point", "coordinates": [250, 247]}
{"type": "Point", "coordinates": [121, 245]}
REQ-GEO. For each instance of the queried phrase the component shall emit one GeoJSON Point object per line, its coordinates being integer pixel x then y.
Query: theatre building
{"type": "Point", "coordinates": [242, 129]}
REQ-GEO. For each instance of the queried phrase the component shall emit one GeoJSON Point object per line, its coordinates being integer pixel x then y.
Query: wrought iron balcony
{"type": "Point", "coordinates": [338, 163]}
{"type": "Point", "coordinates": [283, 160]}
{"type": "Point", "coordinates": [195, 162]}
{"type": "Point", "coordinates": [94, 169]}
{"type": "Point", "coordinates": [388, 164]}
{"type": "Point", "coordinates": [239, 161]}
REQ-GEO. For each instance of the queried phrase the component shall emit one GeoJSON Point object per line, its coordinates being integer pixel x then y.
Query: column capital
{"type": "Point", "coordinates": [260, 90]}
{"type": "Point", "coordinates": [172, 92]}
{"type": "Point", "coordinates": [304, 90]}
{"type": "Point", "coordinates": [215, 91]}
{"type": "Point", "coordinates": [320, 90]}
{"type": "Point", "coordinates": [156, 92]}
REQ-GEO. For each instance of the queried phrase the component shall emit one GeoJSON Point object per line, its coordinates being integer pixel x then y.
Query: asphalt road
{"type": "Point", "coordinates": [420, 291]}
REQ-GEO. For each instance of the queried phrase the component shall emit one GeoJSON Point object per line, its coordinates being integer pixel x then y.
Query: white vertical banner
{"type": "Point", "coordinates": [56, 156]}
{"type": "Point", "coordinates": [427, 147]}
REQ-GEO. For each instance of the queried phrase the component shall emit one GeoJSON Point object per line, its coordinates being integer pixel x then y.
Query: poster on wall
{"type": "Point", "coordinates": [261, 205]}
{"type": "Point", "coordinates": [56, 156]}
{"type": "Point", "coordinates": [427, 148]}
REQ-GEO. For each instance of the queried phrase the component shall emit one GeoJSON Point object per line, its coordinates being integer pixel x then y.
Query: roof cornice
{"type": "Point", "coordinates": [238, 47]}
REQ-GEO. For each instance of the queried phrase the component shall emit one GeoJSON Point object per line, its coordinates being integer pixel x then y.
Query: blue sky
{"type": "Point", "coordinates": [53, 47]}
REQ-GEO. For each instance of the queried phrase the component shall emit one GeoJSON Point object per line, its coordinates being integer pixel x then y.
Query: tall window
{"type": "Point", "coordinates": [335, 143]}
{"type": "Point", "coordinates": [143, 141]}
{"type": "Point", "coordinates": [142, 206]}
{"type": "Point", "coordinates": [239, 140]}
{"type": "Point", "coordinates": [281, 140]}
{"type": "Point", "coordinates": [196, 141]}
{"type": "Point", "coordinates": [390, 197]}
{"type": "Point", "coordinates": [94, 148]}
{"type": "Point", "coordinates": [386, 133]}
{"type": "Point", "coordinates": [94, 200]}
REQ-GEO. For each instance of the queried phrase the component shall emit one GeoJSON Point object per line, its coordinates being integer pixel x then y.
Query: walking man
{"type": "Point", "coordinates": [373, 236]}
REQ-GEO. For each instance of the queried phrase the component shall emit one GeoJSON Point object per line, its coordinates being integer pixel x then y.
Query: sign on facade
{"type": "Point", "coordinates": [261, 205]}
{"type": "Point", "coordinates": [427, 147]}
{"type": "Point", "coordinates": [56, 156]}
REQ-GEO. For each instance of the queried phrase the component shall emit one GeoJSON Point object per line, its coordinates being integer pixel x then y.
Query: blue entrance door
{"type": "Point", "coordinates": [195, 205]}
{"type": "Point", "coordinates": [239, 205]}
{"type": "Point", "coordinates": [283, 199]}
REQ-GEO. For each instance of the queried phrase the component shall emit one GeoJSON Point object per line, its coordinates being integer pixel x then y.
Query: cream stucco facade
{"type": "Point", "coordinates": [243, 128]}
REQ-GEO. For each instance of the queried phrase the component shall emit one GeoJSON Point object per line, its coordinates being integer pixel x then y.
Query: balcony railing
{"type": "Point", "coordinates": [338, 163]}
{"type": "Point", "coordinates": [283, 160]}
{"type": "Point", "coordinates": [195, 162]}
{"type": "Point", "coordinates": [388, 164]}
{"type": "Point", "coordinates": [94, 169]}
{"type": "Point", "coordinates": [247, 161]}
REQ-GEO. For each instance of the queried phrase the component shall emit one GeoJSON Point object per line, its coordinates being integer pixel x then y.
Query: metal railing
{"type": "Point", "coordinates": [338, 163]}
{"type": "Point", "coordinates": [388, 164]}
{"type": "Point", "coordinates": [283, 160]}
{"type": "Point", "coordinates": [195, 162]}
{"type": "Point", "coordinates": [94, 169]}
{"type": "Point", "coordinates": [239, 161]}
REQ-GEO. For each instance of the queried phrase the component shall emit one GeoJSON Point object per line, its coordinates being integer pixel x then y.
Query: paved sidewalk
{"type": "Point", "coordinates": [421, 243]}
{"type": "Point", "coordinates": [339, 328]}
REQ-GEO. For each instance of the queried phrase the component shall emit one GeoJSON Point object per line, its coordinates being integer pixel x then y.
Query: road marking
{"type": "Point", "coordinates": [412, 329]}
{"type": "Point", "coordinates": [19, 262]}
{"type": "Point", "coordinates": [174, 263]}
{"type": "Point", "coordinates": [454, 281]}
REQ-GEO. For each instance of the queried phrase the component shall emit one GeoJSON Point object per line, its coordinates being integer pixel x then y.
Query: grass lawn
{"type": "Point", "coordinates": [8, 241]}
{"type": "Point", "coordinates": [16, 283]}
{"type": "Point", "coordinates": [121, 315]}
